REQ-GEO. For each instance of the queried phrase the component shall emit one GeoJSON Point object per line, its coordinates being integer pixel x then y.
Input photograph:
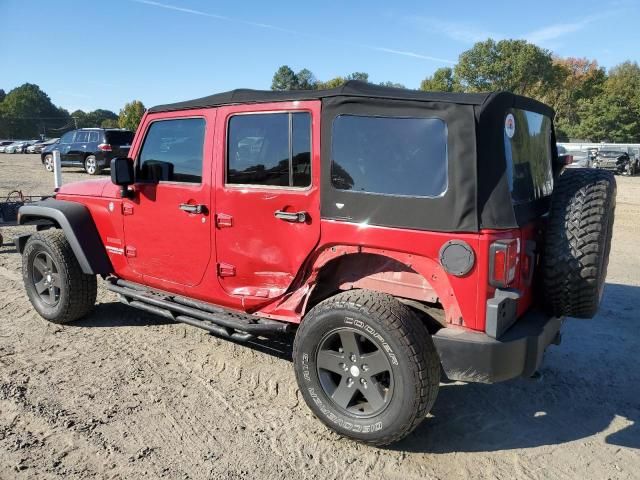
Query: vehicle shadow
{"type": "Point", "coordinates": [116, 314]}
{"type": "Point", "coordinates": [587, 383]}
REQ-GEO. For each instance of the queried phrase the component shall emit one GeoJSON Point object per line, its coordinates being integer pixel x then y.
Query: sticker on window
{"type": "Point", "coordinates": [510, 126]}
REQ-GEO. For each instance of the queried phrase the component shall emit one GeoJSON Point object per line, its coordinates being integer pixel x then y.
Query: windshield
{"type": "Point", "coordinates": [527, 143]}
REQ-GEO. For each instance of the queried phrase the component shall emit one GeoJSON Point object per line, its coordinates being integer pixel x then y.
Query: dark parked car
{"type": "Point", "coordinates": [38, 147]}
{"type": "Point", "coordinates": [90, 148]}
{"type": "Point", "coordinates": [616, 161]}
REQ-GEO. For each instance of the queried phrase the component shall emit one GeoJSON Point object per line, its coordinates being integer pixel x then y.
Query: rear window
{"type": "Point", "coordinates": [527, 143]}
{"type": "Point", "coordinates": [389, 155]}
{"type": "Point", "coordinates": [115, 137]}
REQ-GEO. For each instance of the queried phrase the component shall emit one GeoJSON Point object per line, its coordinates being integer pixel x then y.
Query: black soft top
{"type": "Point", "coordinates": [352, 88]}
{"type": "Point", "coordinates": [478, 195]}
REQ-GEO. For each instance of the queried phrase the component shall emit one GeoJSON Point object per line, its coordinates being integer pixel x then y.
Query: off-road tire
{"type": "Point", "coordinates": [91, 165]}
{"type": "Point", "coordinates": [400, 335]}
{"type": "Point", "coordinates": [77, 290]}
{"type": "Point", "coordinates": [48, 163]}
{"type": "Point", "coordinates": [578, 241]}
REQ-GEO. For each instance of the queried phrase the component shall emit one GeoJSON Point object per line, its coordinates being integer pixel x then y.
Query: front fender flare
{"type": "Point", "coordinates": [78, 226]}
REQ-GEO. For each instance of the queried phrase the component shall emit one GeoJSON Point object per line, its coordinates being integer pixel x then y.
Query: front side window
{"type": "Point", "coordinates": [172, 151]}
{"type": "Point", "coordinates": [527, 143]}
{"type": "Point", "coordinates": [270, 149]}
{"type": "Point", "coordinates": [67, 137]}
{"type": "Point", "coordinates": [389, 155]}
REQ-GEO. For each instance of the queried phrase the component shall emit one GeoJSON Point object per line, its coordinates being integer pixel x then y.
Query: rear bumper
{"type": "Point", "coordinates": [475, 357]}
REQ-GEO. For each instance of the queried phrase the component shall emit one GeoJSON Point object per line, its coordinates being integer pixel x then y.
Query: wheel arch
{"type": "Point", "coordinates": [75, 220]}
{"type": "Point", "coordinates": [344, 267]}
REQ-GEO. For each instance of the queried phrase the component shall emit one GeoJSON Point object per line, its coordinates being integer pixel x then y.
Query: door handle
{"type": "Point", "coordinates": [299, 217]}
{"type": "Point", "coordinates": [190, 208]}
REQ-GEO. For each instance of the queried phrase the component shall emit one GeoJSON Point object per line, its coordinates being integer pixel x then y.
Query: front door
{"type": "Point", "coordinates": [267, 198]}
{"type": "Point", "coordinates": [167, 222]}
{"type": "Point", "coordinates": [78, 148]}
{"type": "Point", "coordinates": [64, 145]}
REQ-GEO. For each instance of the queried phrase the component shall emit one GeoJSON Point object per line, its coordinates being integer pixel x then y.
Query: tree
{"type": "Point", "coordinates": [513, 65]}
{"type": "Point", "coordinates": [27, 112]}
{"type": "Point", "coordinates": [362, 76]}
{"type": "Point", "coordinates": [109, 123]}
{"type": "Point", "coordinates": [392, 84]}
{"type": "Point", "coordinates": [2, 95]}
{"type": "Point", "coordinates": [333, 83]}
{"type": "Point", "coordinates": [284, 79]}
{"type": "Point", "coordinates": [131, 115]}
{"type": "Point", "coordinates": [305, 80]}
{"type": "Point", "coordinates": [576, 79]}
{"type": "Point", "coordinates": [442, 80]}
{"type": "Point", "coordinates": [614, 114]}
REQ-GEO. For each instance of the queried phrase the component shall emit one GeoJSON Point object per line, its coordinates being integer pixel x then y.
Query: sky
{"type": "Point", "coordinates": [92, 54]}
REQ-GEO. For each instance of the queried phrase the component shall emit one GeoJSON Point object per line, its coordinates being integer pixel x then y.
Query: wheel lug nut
{"type": "Point", "coordinates": [352, 357]}
{"type": "Point", "coordinates": [349, 382]}
{"type": "Point", "coordinates": [343, 366]}
{"type": "Point", "coordinates": [365, 367]}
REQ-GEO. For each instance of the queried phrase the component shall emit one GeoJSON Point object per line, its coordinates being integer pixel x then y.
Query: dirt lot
{"type": "Point", "coordinates": [123, 394]}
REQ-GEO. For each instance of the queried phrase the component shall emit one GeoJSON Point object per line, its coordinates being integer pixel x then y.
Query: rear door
{"type": "Point", "coordinates": [267, 195]}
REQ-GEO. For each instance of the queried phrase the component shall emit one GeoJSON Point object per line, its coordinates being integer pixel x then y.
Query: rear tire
{"type": "Point", "coordinates": [366, 366]}
{"type": "Point", "coordinates": [578, 241]}
{"type": "Point", "coordinates": [55, 284]}
{"type": "Point", "coordinates": [91, 165]}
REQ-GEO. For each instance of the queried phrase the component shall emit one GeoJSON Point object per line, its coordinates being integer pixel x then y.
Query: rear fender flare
{"type": "Point", "coordinates": [79, 228]}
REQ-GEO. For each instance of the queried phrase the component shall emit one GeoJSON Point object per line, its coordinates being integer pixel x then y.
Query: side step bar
{"type": "Point", "coordinates": [217, 320]}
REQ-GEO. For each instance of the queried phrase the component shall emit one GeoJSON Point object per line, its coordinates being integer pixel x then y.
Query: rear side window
{"type": "Point", "coordinates": [115, 137]}
{"type": "Point", "coordinates": [94, 137]}
{"type": "Point", "coordinates": [527, 143]}
{"type": "Point", "coordinates": [269, 149]}
{"type": "Point", "coordinates": [389, 155]}
{"type": "Point", "coordinates": [172, 151]}
{"type": "Point", "coordinates": [82, 137]}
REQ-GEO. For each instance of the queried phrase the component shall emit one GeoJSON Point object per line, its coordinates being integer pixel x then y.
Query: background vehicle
{"type": "Point", "coordinates": [90, 148]}
{"type": "Point", "coordinates": [40, 145]}
{"type": "Point", "coordinates": [405, 266]}
{"type": "Point", "coordinates": [15, 147]}
{"type": "Point", "coordinates": [616, 161]}
{"type": "Point", "coordinates": [4, 144]}
{"type": "Point", "coordinates": [574, 158]}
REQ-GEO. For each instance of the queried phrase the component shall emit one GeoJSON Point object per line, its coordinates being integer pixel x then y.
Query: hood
{"type": "Point", "coordinates": [90, 188]}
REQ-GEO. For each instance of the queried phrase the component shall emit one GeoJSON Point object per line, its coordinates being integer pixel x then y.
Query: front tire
{"type": "Point", "coordinates": [48, 163]}
{"type": "Point", "coordinates": [366, 366]}
{"type": "Point", "coordinates": [55, 284]}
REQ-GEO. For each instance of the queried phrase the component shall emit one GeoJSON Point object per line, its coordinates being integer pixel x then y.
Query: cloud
{"type": "Point", "coordinates": [557, 30]}
{"type": "Point", "coordinates": [464, 32]}
{"type": "Point", "coordinates": [291, 32]}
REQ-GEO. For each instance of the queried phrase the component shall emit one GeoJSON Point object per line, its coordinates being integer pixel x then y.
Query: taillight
{"type": "Point", "coordinates": [503, 261]}
{"type": "Point", "coordinates": [105, 147]}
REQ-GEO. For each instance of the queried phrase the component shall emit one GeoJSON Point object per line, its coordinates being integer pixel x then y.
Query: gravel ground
{"type": "Point", "coordinates": [123, 394]}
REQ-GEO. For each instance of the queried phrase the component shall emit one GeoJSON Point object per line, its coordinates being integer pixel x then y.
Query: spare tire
{"type": "Point", "coordinates": [578, 241]}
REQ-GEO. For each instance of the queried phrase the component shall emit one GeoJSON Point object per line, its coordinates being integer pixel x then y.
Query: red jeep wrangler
{"type": "Point", "coordinates": [403, 233]}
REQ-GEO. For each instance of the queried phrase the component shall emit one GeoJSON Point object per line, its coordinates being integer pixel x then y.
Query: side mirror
{"type": "Point", "coordinates": [122, 174]}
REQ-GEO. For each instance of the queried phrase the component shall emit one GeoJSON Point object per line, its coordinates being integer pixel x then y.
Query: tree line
{"type": "Point", "coordinates": [590, 103]}
{"type": "Point", "coordinates": [27, 112]}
